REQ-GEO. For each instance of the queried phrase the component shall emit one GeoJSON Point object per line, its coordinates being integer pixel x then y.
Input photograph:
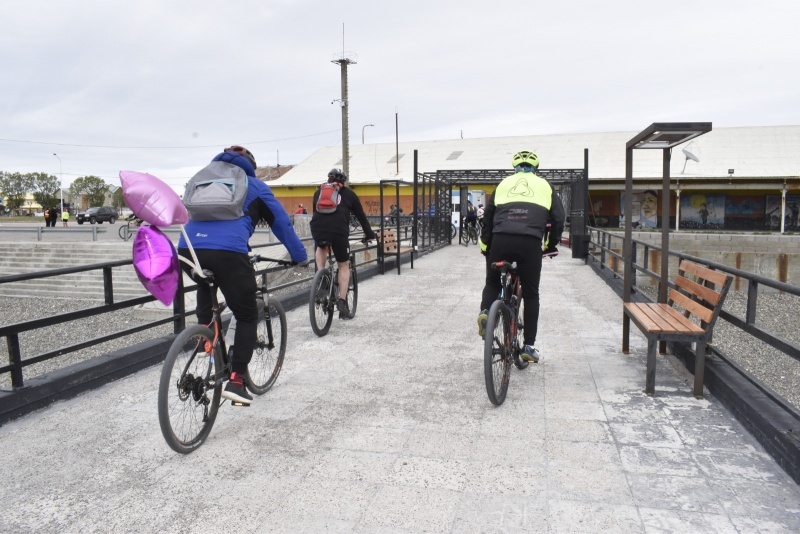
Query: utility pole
{"type": "Point", "coordinates": [343, 62]}
{"type": "Point", "coordinates": [61, 169]}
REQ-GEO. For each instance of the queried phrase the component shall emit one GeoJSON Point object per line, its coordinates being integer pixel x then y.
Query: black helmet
{"type": "Point", "coordinates": [337, 175]}
{"type": "Point", "coordinates": [242, 151]}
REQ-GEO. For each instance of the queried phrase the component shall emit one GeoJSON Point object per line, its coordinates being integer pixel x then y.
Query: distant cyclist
{"type": "Point", "coordinates": [472, 214]}
{"type": "Point", "coordinates": [335, 229]}
{"type": "Point", "coordinates": [514, 223]}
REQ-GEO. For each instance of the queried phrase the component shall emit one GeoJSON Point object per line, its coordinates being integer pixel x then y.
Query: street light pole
{"type": "Point", "coordinates": [362, 132]}
{"type": "Point", "coordinates": [61, 173]}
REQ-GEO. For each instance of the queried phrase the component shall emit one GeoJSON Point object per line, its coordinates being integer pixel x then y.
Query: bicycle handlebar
{"type": "Point", "coordinates": [255, 258]}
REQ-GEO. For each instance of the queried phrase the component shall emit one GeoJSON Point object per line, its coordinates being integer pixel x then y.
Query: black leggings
{"type": "Point", "coordinates": [527, 252]}
{"type": "Point", "coordinates": [236, 279]}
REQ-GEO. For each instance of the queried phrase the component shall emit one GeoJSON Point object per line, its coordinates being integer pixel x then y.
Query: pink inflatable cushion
{"type": "Point", "coordinates": [156, 263]}
{"type": "Point", "coordinates": [152, 200]}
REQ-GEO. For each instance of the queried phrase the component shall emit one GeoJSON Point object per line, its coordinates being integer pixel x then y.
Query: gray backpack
{"type": "Point", "coordinates": [216, 193]}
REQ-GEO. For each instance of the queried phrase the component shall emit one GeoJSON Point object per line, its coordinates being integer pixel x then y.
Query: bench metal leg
{"type": "Point", "coordinates": [626, 333]}
{"type": "Point", "coordinates": [699, 368]}
{"type": "Point", "coordinates": [650, 380]}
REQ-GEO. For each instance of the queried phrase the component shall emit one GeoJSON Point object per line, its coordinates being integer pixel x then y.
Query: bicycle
{"type": "Point", "coordinates": [198, 364]}
{"type": "Point", "coordinates": [503, 342]}
{"type": "Point", "coordinates": [125, 232]}
{"type": "Point", "coordinates": [325, 292]}
{"type": "Point", "coordinates": [469, 233]}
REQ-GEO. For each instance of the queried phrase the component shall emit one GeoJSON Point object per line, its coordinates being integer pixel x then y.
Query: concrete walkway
{"type": "Point", "coordinates": [384, 426]}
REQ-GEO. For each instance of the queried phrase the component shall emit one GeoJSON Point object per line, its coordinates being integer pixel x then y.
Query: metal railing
{"type": "Point", "coordinates": [94, 230]}
{"type": "Point", "coordinates": [11, 332]}
{"type": "Point", "coordinates": [605, 248]}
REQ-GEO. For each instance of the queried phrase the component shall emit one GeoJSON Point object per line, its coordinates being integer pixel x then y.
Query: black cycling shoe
{"type": "Point", "coordinates": [236, 392]}
{"type": "Point", "coordinates": [344, 311]}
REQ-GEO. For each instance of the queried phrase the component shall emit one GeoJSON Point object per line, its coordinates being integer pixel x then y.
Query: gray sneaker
{"type": "Point", "coordinates": [529, 354]}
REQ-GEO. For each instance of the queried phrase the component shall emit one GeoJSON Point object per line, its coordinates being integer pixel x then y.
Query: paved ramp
{"type": "Point", "coordinates": [384, 426]}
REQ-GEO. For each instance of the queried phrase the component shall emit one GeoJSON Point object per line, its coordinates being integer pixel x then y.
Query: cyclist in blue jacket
{"type": "Point", "coordinates": [223, 247]}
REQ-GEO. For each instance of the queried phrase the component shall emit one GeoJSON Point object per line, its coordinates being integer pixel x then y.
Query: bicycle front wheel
{"type": "Point", "coordinates": [465, 236]}
{"type": "Point", "coordinates": [321, 302]}
{"type": "Point", "coordinates": [189, 389]}
{"type": "Point", "coordinates": [474, 235]}
{"type": "Point", "coordinates": [270, 349]}
{"type": "Point", "coordinates": [122, 230]}
{"type": "Point", "coordinates": [352, 290]}
{"type": "Point", "coordinates": [497, 353]}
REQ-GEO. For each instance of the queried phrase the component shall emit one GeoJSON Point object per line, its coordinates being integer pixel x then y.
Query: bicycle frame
{"type": "Point", "coordinates": [216, 325]}
{"type": "Point", "coordinates": [511, 295]}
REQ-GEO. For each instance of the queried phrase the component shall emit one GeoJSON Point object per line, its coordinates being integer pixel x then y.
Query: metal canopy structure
{"type": "Point", "coordinates": [663, 136]}
{"type": "Point", "coordinates": [572, 186]}
{"type": "Point", "coordinates": [493, 176]}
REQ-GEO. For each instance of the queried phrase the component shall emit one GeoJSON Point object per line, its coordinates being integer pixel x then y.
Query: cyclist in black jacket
{"type": "Point", "coordinates": [520, 213]}
{"type": "Point", "coordinates": [335, 228]}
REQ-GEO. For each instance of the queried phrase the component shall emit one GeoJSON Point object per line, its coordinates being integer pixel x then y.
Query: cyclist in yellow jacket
{"type": "Point", "coordinates": [514, 223]}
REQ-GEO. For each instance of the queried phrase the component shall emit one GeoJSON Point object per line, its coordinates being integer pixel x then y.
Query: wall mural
{"type": "Point", "coordinates": [745, 212]}
{"type": "Point", "coordinates": [644, 209]}
{"type": "Point", "coordinates": [773, 212]}
{"type": "Point", "coordinates": [702, 211]}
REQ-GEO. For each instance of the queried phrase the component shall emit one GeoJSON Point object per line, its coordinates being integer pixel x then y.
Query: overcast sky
{"type": "Point", "coordinates": [160, 86]}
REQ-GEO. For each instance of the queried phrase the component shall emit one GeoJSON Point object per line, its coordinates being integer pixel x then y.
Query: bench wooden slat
{"type": "Point", "coordinates": [706, 293]}
{"type": "Point", "coordinates": [716, 277]}
{"type": "Point", "coordinates": [661, 318]}
{"type": "Point", "coordinates": [392, 245]}
{"type": "Point", "coordinates": [691, 306]}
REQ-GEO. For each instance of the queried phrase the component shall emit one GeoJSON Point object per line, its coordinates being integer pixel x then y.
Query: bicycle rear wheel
{"type": "Point", "coordinates": [496, 353]}
{"type": "Point", "coordinates": [352, 290]}
{"type": "Point", "coordinates": [270, 349]}
{"type": "Point", "coordinates": [321, 303]}
{"type": "Point", "coordinates": [520, 344]}
{"type": "Point", "coordinates": [189, 389]}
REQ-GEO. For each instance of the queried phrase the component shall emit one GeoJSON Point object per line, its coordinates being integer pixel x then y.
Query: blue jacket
{"type": "Point", "coordinates": [234, 235]}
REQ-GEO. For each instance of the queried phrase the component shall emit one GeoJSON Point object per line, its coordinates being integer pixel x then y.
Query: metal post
{"type": "Point", "coordinates": [664, 286]}
{"type": "Point", "coordinates": [626, 248]}
{"type": "Point", "coordinates": [362, 132]}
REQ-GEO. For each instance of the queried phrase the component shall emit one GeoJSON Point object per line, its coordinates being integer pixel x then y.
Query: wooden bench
{"type": "Point", "coordinates": [392, 246]}
{"type": "Point", "coordinates": [689, 315]}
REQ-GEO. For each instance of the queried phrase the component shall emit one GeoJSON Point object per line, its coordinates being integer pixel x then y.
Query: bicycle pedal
{"type": "Point", "coordinates": [242, 404]}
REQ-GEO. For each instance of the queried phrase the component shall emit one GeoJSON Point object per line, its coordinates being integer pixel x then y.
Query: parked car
{"type": "Point", "coordinates": [98, 215]}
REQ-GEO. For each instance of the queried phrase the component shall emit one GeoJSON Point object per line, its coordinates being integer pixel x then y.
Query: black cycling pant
{"type": "Point", "coordinates": [527, 252]}
{"type": "Point", "coordinates": [235, 277]}
{"type": "Point", "coordinates": [340, 244]}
